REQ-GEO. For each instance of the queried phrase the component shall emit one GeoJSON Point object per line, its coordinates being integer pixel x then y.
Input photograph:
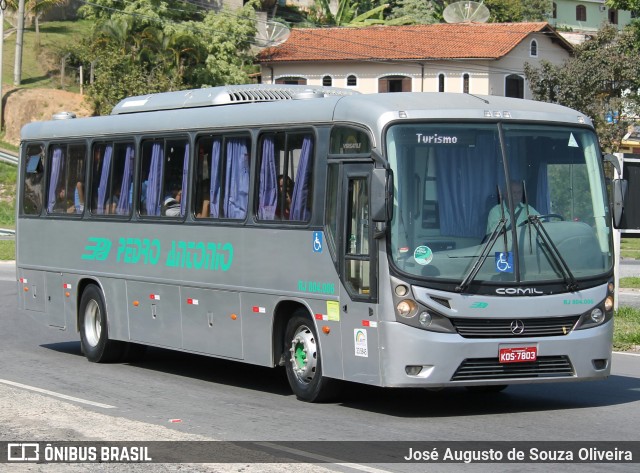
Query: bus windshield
{"type": "Point", "coordinates": [506, 202]}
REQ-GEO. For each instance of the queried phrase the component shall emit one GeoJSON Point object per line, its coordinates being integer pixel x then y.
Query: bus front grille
{"type": "Point", "coordinates": [479, 369]}
{"type": "Point", "coordinates": [504, 328]}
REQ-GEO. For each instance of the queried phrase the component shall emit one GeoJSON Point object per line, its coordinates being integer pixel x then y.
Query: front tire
{"type": "Point", "coordinates": [303, 362]}
{"type": "Point", "coordinates": [94, 336]}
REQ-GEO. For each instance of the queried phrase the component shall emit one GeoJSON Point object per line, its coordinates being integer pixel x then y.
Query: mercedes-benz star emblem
{"type": "Point", "coordinates": [517, 327]}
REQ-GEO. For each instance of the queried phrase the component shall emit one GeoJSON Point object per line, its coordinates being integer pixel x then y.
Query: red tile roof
{"type": "Point", "coordinates": [414, 42]}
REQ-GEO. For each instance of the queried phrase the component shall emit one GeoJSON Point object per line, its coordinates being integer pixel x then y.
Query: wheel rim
{"type": "Point", "coordinates": [92, 323]}
{"type": "Point", "coordinates": [304, 354]}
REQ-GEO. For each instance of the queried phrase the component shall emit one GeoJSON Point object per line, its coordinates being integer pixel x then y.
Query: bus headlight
{"type": "Point", "coordinates": [597, 315]}
{"type": "Point", "coordinates": [608, 304]}
{"type": "Point", "coordinates": [406, 308]}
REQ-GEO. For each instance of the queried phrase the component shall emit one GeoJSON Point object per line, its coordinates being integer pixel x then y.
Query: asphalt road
{"type": "Point", "coordinates": [174, 395]}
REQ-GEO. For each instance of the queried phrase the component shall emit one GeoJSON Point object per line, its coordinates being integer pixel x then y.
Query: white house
{"type": "Point", "coordinates": [476, 58]}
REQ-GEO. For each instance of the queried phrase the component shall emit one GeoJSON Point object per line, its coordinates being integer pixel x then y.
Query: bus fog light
{"type": "Point", "coordinates": [425, 319]}
{"type": "Point", "coordinates": [608, 303]}
{"type": "Point", "coordinates": [406, 308]}
{"type": "Point", "coordinates": [597, 315]}
{"type": "Point", "coordinates": [413, 370]}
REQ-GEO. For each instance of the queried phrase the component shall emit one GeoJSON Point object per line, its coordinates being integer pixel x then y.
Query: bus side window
{"type": "Point", "coordinates": [66, 179]}
{"type": "Point", "coordinates": [222, 177]}
{"type": "Point", "coordinates": [285, 179]}
{"type": "Point", "coordinates": [112, 178]}
{"type": "Point", "coordinates": [32, 189]}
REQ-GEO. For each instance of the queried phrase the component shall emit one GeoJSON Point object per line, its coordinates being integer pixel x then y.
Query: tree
{"type": "Point", "coordinates": [349, 13]}
{"type": "Point", "coordinates": [629, 5]}
{"type": "Point", "coordinates": [409, 12]}
{"type": "Point", "coordinates": [137, 54]}
{"type": "Point", "coordinates": [602, 78]}
{"type": "Point", "coordinates": [504, 11]}
{"type": "Point", "coordinates": [37, 8]}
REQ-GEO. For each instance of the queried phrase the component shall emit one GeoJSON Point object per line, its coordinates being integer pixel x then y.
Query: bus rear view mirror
{"type": "Point", "coordinates": [619, 191]}
{"type": "Point", "coordinates": [381, 195]}
{"type": "Point", "coordinates": [615, 162]}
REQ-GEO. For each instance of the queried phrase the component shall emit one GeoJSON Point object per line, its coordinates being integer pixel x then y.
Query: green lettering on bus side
{"type": "Point", "coordinates": [316, 287]}
{"type": "Point", "coordinates": [99, 251]}
{"type": "Point", "coordinates": [197, 255]}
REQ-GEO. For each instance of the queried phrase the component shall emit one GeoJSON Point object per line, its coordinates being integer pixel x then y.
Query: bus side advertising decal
{"type": "Point", "coordinates": [182, 254]}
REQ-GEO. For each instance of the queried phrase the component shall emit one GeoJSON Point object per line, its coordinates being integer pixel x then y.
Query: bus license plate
{"type": "Point", "coordinates": [518, 354]}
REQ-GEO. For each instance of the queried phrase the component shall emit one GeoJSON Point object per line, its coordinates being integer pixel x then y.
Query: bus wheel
{"type": "Point", "coordinates": [303, 363]}
{"type": "Point", "coordinates": [94, 338]}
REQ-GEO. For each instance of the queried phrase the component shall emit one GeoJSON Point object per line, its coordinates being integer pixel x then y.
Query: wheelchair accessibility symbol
{"type": "Point", "coordinates": [504, 262]}
{"type": "Point", "coordinates": [317, 242]}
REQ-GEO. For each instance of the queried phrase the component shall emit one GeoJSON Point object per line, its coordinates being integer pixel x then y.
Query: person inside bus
{"type": "Point", "coordinates": [111, 205]}
{"type": "Point", "coordinates": [520, 208]}
{"type": "Point", "coordinates": [285, 193]}
{"type": "Point", "coordinates": [171, 205]}
{"type": "Point", "coordinates": [78, 199]}
{"type": "Point", "coordinates": [62, 203]}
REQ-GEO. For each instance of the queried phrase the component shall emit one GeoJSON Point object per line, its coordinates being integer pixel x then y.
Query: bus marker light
{"type": "Point", "coordinates": [67, 294]}
{"type": "Point", "coordinates": [136, 303]}
{"type": "Point", "coordinates": [155, 297]}
{"type": "Point", "coordinates": [326, 329]}
{"type": "Point", "coordinates": [321, 317]}
{"type": "Point", "coordinates": [192, 301]}
{"type": "Point", "coordinates": [26, 289]}
{"type": "Point", "coordinates": [175, 421]}
{"type": "Point", "coordinates": [234, 316]}
{"type": "Point", "coordinates": [260, 310]}
{"type": "Point", "coordinates": [402, 290]}
{"type": "Point", "coordinates": [23, 280]}
{"type": "Point", "coordinates": [369, 323]}
{"type": "Point", "coordinates": [66, 285]}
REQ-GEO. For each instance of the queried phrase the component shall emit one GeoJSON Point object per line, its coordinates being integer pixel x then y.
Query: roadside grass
{"type": "Point", "coordinates": [40, 64]}
{"type": "Point", "coordinates": [626, 329]}
{"type": "Point", "coordinates": [630, 248]}
{"type": "Point", "coordinates": [7, 250]}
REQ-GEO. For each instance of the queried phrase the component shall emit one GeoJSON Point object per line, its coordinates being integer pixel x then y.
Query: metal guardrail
{"type": "Point", "coordinates": [8, 158]}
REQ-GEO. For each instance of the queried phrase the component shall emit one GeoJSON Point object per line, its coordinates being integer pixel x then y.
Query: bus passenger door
{"type": "Point", "coordinates": [358, 272]}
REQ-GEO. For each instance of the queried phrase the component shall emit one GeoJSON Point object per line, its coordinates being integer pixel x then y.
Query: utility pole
{"type": "Point", "coordinates": [17, 68]}
{"type": "Point", "coordinates": [3, 5]}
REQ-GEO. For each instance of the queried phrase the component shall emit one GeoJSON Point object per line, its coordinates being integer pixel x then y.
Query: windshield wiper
{"type": "Point", "coordinates": [495, 234]}
{"type": "Point", "coordinates": [553, 252]}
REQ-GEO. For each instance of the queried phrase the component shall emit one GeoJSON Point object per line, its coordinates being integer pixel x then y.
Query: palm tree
{"type": "Point", "coordinates": [37, 8]}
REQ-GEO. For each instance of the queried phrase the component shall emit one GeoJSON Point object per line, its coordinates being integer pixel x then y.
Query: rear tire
{"type": "Point", "coordinates": [94, 336]}
{"type": "Point", "coordinates": [303, 362]}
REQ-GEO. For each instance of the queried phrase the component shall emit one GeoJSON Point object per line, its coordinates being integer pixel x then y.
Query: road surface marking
{"type": "Point", "coordinates": [321, 458]}
{"type": "Point", "coordinates": [54, 394]}
{"type": "Point", "coordinates": [625, 353]}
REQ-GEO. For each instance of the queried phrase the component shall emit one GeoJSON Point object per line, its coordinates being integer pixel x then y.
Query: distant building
{"type": "Point", "coordinates": [471, 58]}
{"type": "Point", "coordinates": [587, 15]}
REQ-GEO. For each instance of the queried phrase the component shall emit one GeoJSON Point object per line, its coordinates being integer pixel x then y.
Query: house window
{"type": "Point", "coordinates": [613, 16]}
{"type": "Point", "coordinates": [352, 81]}
{"type": "Point", "coordinates": [394, 84]}
{"type": "Point", "coordinates": [533, 49]}
{"type": "Point", "coordinates": [292, 81]}
{"type": "Point", "coordinates": [440, 82]}
{"type": "Point", "coordinates": [514, 86]}
{"type": "Point", "coordinates": [327, 81]}
{"type": "Point", "coordinates": [555, 10]}
{"type": "Point", "coordinates": [465, 84]}
{"type": "Point", "coordinates": [581, 13]}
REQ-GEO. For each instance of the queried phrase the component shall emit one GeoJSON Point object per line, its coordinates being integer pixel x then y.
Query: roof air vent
{"type": "Point", "coordinates": [308, 94]}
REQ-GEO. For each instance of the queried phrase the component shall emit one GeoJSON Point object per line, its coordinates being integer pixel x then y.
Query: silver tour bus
{"type": "Point", "coordinates": [397, 240]}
